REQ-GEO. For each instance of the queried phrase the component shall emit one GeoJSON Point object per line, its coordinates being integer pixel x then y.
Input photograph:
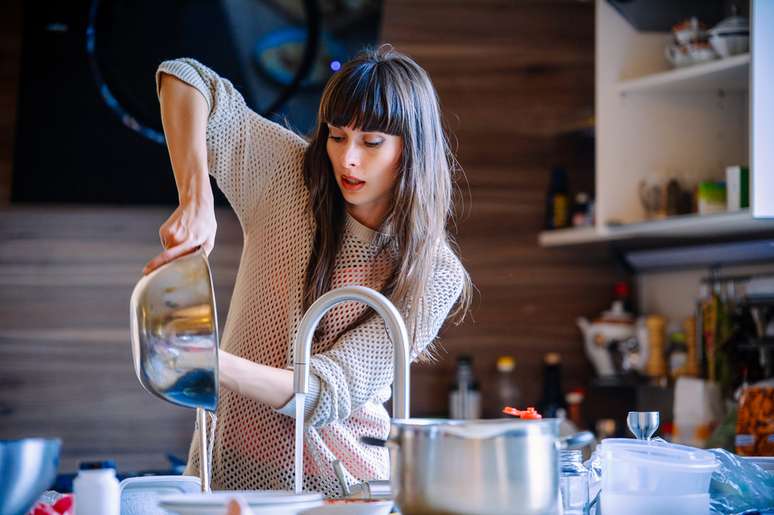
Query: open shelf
{"type": "Point", "coordinates": [729, 74]}
{"type": "Point", "coordinates": [684, 226]}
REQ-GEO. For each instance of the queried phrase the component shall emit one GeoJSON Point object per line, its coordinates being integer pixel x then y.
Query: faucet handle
{"type": "Point", "coordinates": [374, 489]}
{"type": "Point", "coordinates": [338, 469]}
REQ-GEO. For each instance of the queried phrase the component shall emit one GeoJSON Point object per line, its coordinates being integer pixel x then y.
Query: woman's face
{"type": "Point", "coordinates": [366, 167]}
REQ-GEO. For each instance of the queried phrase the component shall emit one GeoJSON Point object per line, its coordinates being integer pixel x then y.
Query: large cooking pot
{"type": "Point", "coordinates": [484, 467]}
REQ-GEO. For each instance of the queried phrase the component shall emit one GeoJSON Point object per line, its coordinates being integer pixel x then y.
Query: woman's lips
{"type": "Point", "coordinates": [350, 183]}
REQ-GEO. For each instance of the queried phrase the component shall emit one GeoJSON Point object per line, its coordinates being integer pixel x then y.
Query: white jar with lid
{"type": "Point", "coordinates": [96, 489]}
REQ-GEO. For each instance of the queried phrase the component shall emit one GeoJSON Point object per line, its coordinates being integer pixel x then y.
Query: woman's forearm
{"type": "Point", "coordinates": [269, 385]}
{"type": "Point", "coordinates": [184, 117]}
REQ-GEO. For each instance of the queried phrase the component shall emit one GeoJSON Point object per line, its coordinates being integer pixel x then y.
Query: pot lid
{"type": "Point", "coordinates": [617, 314]}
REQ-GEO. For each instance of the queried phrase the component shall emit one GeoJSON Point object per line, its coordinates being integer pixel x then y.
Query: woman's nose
{"type": "Point", "coordinates": [351, 156]}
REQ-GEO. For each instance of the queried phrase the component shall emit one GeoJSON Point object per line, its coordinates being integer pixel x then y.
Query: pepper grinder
{"type": "Point", "coordinates": [656, 366]}
{"type": "Point", "coordinates": [692, 361]}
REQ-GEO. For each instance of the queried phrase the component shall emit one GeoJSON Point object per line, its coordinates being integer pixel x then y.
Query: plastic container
{"type": "Point", "coordinates": [630, 504]}
{"type": "Point", "coordinates": [96, 489]}
{"type": "Point", "coordinates": [654, 468]}
{"type": "Point", "coordinates": [141, 495]}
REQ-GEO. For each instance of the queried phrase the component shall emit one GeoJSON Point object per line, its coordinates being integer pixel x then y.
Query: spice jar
{"type": "Point", "coordinates": [573, 483]}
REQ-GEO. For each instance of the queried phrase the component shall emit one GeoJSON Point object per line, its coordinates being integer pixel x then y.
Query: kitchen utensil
{"type": "Point", "coordinates": [689, 30]}
{"type": "Point", "coordinates": [607, 338]}
{"type": "Point", "coordinates": [140, 495]}
{"type": "Point", "coordinates": [264, 502]}
{"type": "Point", "coordinates": [174, 333]}
{"type": "Point", "coordinates": [643, 424]}
{"type": "Point", "coordinates": [648, 474]}
{"type": "Point", "coordinates": [731, 36]}
{"type": "Point", "coordinates": [654, 467]}
{"type": "Point", "coordinates": [476, 466]}
{"type": "Point", "coordinates": [27, 467]}
{"type": "Point", "coordinates": [656, 365]}
{"type": "Point", "coordinates": [630, 504]}
{"type": "Point", "coordinates": [573, 483]}
{"type": "Point", "coordinates": [689, 54]}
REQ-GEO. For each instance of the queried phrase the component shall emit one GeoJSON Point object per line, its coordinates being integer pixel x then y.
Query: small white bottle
{"type": "Point", "coordinates": [96, 489]}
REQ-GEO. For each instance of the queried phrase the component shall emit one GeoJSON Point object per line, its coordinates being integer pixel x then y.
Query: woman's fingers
{"type": "Point", "coordinates": [168, 255]}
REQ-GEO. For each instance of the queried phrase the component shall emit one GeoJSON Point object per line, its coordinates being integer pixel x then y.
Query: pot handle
{"type": "Point", "coordinates": [375, 442]}
{"type": "Point", "coordinates": [576, 441]}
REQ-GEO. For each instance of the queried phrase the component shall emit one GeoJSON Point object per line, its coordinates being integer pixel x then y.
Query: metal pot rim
{"type": "Point", "coordinates": [479, 428]}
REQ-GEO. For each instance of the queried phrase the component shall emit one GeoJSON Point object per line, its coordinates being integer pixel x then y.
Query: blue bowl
{"type": "Point", "coordinates": [27, 468]}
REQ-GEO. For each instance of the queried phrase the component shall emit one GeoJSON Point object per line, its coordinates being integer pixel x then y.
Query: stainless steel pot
{"type": "Point", "coordinates": [483, 466]}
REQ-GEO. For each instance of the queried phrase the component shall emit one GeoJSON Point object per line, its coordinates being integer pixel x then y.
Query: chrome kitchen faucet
{"type": "Point", "coordinates": [396, 329]}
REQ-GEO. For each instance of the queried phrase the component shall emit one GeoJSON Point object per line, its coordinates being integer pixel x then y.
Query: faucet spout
{"type": "Point", "coordinates": [395, 327]}
{"type": "Point", "coordinates": [302, 350]}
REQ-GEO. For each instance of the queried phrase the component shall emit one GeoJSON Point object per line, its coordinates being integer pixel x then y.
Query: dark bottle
{"type": "Point", "coordinates": [558, 200]}
{"type": "Point", "coordinates": [553, 398]}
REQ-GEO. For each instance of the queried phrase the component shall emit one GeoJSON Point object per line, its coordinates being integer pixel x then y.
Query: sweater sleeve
{"type": "Point", "coordinates": [244, 149]}
{"type": "Point", "coordinates": [361, 362]}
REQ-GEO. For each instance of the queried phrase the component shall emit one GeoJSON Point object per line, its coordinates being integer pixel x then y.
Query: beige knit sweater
{"type": "Point", "coordinates": [258, 166]}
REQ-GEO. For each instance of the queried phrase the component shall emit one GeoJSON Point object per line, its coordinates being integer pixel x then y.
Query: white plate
{"type": "Point", "coordinates": [364, 508]}
{"type": "Point", "coordinates": [275, 502]}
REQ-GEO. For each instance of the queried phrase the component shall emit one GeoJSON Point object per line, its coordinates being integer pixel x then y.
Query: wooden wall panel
{"type": "Point", "coordinates": [512, 77]}
{"type": "Point", "coordinates": [66, 276]}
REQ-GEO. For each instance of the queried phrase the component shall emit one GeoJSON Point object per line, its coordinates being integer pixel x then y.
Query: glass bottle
{"type": "Point", "coordinates": [508, 391]}
{"type": "Point", "coordinates": [573, 483]}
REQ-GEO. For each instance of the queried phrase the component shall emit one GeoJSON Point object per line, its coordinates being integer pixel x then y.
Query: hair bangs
{"type": "Point", "coordinates": [366, 100]}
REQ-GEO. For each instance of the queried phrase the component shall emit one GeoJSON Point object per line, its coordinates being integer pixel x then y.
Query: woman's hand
{"type": "Point", "coordinates": [191, 225]}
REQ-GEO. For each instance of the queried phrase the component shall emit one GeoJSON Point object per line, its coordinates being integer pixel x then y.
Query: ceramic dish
{"type": "Point", "coordinates": [265, 502]}
{"type": "Point", "coordinates": [352, 507]}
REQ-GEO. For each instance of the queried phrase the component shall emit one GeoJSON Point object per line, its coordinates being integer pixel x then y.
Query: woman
{"type": "Point", "coordinates": [364, 201]}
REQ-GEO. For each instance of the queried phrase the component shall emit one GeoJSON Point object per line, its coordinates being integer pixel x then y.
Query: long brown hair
{"type": "Point", "coordinates": [385, 91]}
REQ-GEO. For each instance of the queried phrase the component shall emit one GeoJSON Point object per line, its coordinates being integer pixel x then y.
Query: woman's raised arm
{"type": "Point", "coordinates": [184, 114]}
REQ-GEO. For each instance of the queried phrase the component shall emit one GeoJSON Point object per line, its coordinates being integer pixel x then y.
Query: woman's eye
{"type": "Point", "coordinates": [373, 143]}
{"type": "Point", "coordinates": [336, 138]}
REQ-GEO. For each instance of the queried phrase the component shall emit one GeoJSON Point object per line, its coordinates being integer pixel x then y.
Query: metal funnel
{"type": "Point", "coordinates": [643, 424]}
{"type": "Point", "coordinates": [174, 331]}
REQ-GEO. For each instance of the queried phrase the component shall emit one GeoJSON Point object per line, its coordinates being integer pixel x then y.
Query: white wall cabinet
{"type": "Point", "coordinates": [654, 123]}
